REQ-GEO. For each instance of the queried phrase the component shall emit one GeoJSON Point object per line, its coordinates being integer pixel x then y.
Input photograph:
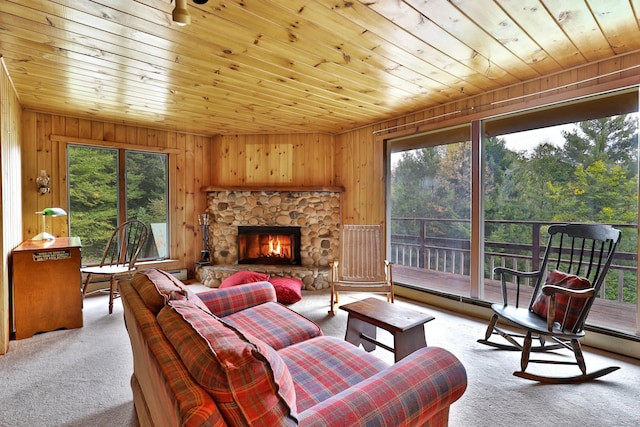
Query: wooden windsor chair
{"type": "Point", "coordinates": [119, 257]}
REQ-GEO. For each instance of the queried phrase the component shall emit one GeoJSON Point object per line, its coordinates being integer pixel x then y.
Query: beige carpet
{"type": "Point", "coordinates": [77, 377]}
{"type": "Point", "coordinates": [80, 377]}
{"type": "Point", "coordinates": [494, 396]}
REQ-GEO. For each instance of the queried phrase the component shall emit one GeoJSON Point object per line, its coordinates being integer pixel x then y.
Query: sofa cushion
{"type": "Point", "coordinates": [248, 380]}
{"type": "Point", "coordinates": [275, 324]}
{"type": "Point", "coordinates": [570, 281]}
{"type": "Point", "coordinates": [242, 277]}
{"type": "Point", "coordinates": [337, 365]}
{"type": "Point", "coordinates": [223, 302]}
{"type": "Point", "coordinates": [157, 287]}
{"type": "Point", "coordinates": [288, 289]}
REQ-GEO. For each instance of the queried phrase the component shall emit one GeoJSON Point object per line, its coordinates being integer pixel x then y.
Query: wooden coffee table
{"type": "Point", "coordinates": [406, 326]}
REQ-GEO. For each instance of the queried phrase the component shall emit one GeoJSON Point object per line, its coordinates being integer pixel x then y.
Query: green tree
{"type": "Point", "coordinates": [612, 140]}
{"type": "Point", "coordinates": [596, 193]}
{"type": "Point", "coordinates": [93, 197]}
{"type": "Point", "coordinates": [146, 186]}
{"type": "Point", "coordinates": [432, 182]}
{"type": "Point", "coordinates": [414, 182]}
{"type": "Point", "coordinates": [601, 156]}
{"type": "Point", "coordinates": [456, 177]}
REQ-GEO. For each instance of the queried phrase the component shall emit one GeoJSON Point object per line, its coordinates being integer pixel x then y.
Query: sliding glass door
{"type": "Point", "coordinates": [571, 162]}
{"type": "Point", "coordinates": [430, 193]}
{"type": "Point", "coordinates": [576, 167]}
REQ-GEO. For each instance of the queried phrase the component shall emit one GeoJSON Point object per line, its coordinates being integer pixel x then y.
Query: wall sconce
{"type": "Point", "coordinates": [45, 213]}
{"type": "Point", "coordinates": [42, 181]}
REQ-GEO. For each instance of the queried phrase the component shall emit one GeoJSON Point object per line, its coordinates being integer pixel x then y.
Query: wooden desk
{"type": "Point", "coordinates": [406, 326]}
{"type": "Point", "coordinates": [46, 286]}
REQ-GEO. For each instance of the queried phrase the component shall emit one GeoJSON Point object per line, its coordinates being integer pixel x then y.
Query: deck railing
{"type": "Point", "coordinates": [419, 246]}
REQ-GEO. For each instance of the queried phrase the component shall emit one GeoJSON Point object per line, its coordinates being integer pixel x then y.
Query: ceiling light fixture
{"type": "Point", "coordinates": [181, 14]}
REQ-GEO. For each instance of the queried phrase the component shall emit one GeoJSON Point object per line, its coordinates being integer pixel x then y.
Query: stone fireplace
{"type": "Point", "coordinates": [315, 212]}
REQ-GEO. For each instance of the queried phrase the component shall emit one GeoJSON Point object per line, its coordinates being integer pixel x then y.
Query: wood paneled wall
{"type": "Point", "coordinates": [10, 200]}
{"type": "Point", "coordinates": [293, 159]}
{"type": "Point", "coordinates": [43, 147]}
{"type": "Point", "coordinates": [353, 160]}
{"type": "Point", "coordinates": [360, 170]}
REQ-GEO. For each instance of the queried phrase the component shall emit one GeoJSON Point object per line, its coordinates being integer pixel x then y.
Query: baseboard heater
{"type": "Point", "coordinates": [179, 274]}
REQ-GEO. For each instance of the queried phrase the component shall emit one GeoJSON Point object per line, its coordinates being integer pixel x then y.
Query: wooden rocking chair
{"type": "Point", "coordinates": [575, 264]}
{"type": "Point", "coordinates": [361, 267]}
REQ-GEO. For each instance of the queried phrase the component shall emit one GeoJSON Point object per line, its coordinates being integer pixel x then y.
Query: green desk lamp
{"type": "Point", "coordinates": [45, 213]}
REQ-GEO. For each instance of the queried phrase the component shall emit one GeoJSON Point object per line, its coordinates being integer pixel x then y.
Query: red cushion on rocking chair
{"type": "Point", "coordinates": [569, 281]}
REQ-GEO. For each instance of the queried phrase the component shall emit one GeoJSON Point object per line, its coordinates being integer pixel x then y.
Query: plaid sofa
{"type": "Point", "coordinates": [235, 357]}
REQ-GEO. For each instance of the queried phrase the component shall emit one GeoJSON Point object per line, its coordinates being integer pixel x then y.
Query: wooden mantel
{"type": "Point", "coordinates": [330, 189]}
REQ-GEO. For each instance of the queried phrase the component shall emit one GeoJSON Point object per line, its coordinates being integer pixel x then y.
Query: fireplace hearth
{"type": "Point", "coordinates": [271, 245]}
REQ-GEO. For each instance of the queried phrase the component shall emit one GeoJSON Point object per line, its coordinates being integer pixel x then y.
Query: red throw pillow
{"type": "Point", "coordinates": [242, 277]}
{"type": "Point", "coordinates": [569, 281]}
{"type": "Point", "coordinates": [288, 290]}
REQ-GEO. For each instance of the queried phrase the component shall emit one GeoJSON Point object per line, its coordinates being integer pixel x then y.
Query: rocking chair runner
{"type": "Point", "coordinates": [577, 259]}
{"type": "Point", "coordinates": [362, 267]}
{"type": "Point", "coordinates": [119, 257]}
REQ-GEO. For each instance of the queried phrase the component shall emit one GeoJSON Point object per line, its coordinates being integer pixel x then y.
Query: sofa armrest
{"type": "Point", "coordinates": [223, 302]}
{"type": "Point", "coordinates": [411, 392]}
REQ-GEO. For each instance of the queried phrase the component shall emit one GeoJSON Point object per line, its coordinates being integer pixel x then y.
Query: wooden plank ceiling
{"type": "Point", "coordinates": [286, 66]}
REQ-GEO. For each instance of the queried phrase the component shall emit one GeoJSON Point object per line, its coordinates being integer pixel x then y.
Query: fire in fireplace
{"type": "Point", "coordinates": [268, 245]}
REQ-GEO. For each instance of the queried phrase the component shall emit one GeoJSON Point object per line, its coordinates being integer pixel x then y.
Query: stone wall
{"type": "Point", "coordinates": [317, 213]}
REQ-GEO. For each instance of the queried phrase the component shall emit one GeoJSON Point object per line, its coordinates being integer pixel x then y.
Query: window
{"type": "Point", "coordinates": [572, 162]}
{"type": "Point", "coordinates": [430, 219]}
{"type": "Point", "coordinates": [108, 186]}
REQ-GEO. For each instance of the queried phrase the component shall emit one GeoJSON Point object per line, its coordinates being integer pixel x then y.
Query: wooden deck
{"type": "Point", "coordinates": [606, 314]}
